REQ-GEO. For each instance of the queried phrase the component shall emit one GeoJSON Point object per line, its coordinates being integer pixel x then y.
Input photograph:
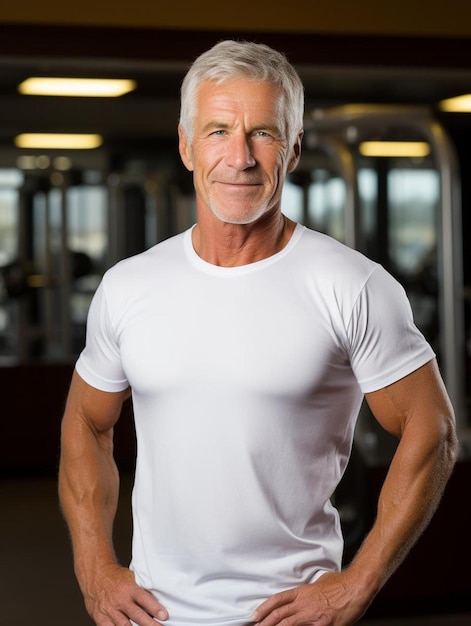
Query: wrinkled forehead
{"type": "Point", "coordinates": [242, 95]}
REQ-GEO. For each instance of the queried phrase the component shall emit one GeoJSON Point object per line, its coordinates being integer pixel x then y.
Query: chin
{"type": "Point", "coordinates": [234, 218]}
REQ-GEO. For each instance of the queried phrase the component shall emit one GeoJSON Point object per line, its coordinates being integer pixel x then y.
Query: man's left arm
{"type": "Point", "coordinates": [418, 411]}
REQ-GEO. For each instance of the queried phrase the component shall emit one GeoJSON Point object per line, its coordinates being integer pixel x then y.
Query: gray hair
{"type": "Point", "coordinates": [233, 59]}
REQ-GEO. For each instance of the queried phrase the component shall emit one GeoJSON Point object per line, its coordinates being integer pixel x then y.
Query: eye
{"type": "Point", "coordinates": [264, 136]}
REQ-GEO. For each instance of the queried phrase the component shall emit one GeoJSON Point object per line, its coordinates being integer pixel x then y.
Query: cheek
{"type": "Point", "coordinates": [204, 161]}
{"type": "Point", "coordinates": [280, 168]}
{"type": "Point", "coordinates": [185, 152]}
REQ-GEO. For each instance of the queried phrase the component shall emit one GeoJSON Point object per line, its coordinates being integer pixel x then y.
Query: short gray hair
{"type": "Point", "coordinates": [233, 59]}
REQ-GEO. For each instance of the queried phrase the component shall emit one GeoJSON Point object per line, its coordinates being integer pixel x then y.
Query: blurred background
{"type": "Point", "coordinates": [385, 169]}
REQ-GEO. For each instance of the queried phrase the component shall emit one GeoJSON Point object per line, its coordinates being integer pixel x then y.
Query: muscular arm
{"type": "Point", "coordinates": [417, 410]}
{"type": "Point", "coordinates": [88, 492]}
{"type": "Point", "coordinates": [88, 477]}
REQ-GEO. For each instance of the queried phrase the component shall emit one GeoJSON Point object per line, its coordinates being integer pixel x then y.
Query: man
{"type": "Point", "coordinates": [247, 343]}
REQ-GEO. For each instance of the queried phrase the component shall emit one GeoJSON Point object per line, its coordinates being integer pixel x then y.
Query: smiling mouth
{"type": "Point", "coordinates": [239, 184]}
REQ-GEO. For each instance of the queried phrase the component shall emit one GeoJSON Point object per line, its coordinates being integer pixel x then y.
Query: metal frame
{"type": "Point", "coordinates": [334, 131]}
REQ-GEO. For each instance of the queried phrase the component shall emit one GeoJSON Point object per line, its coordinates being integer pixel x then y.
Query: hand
{"type": "Point", "coordinates": [329, 601]}
{"type": "Point", "coordinates": [115, 598]}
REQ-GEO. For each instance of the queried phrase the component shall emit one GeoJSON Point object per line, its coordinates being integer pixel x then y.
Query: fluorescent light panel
{"type": "Point", "coordinates": [84, 87]}
{"type": "Point", "coordinates": [58, 141]}
{"type": "Point", "coordinates": [460, 104]}
{"type": "Point", "coordinates": [394, 148]}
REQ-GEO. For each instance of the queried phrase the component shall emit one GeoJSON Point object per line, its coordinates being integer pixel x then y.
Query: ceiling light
{"type": "Point", "coordinates": [86, 87]}
{"type": "Point", "coordinates": [394, 148]}
{"type": "Point", "coordinates": [460, 104]}
{"type": "Point", "coordinates": [58, 141]}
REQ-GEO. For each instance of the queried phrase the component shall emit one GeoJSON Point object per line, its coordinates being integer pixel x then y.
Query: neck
{"type": "Point", "coordinates": [232, 245]}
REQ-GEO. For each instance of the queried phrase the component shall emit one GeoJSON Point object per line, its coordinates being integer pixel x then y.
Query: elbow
{"type": "Point", "coordinates": [450, 443]}
{"type": "Point", "coordinates": [454, 448]}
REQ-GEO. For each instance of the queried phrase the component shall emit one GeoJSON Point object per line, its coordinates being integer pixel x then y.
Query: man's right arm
{"type": "Point", "coordinates": [88, 492]}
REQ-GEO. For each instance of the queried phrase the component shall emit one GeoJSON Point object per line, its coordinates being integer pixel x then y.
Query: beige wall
{"type": "Point", "coordinates": [399, 17]}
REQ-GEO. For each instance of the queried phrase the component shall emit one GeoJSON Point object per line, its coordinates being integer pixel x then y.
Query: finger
{"type": "Point", "coordinates": [150, 604]}
{"type": "Point", "coordinates": [115, 618]}
{"type": "Point", "coordinates": [142, 618]}
{"type": "Point", "coordinates": [273, 604]}
{"type": "Point", "coordinates": [278, 617]}
{"type": "Point", "coordinates": [142, 608]}
{"type": "Point", "coordinates": [102, 620]}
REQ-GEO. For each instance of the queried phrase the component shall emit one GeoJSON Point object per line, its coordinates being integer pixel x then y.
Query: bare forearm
{"type": "Point", "coordinates": [88, 491]}
{"type": "Point", "coordinates": [410, 496]}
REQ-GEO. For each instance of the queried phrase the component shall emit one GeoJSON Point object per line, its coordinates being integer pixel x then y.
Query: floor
{"type": "Point", "coordinates": [37, 581]}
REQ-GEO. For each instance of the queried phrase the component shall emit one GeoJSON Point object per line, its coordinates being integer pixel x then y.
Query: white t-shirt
{"type": "Point", "coordinates": [247, 382]}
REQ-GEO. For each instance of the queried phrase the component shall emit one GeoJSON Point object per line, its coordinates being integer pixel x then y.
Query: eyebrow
{"type": "Point", "coordinates": [275, 130]}
{"type": "Point", "coordinates": [215, 124]}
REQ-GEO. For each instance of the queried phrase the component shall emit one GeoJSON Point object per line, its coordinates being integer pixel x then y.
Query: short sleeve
{"type": "Point", "coordinates": [384, 343]}
{"type": "Point", "coordinates": [99, 364]}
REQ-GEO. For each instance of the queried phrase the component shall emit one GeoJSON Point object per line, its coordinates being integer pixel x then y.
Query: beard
{"type": "Point", "coordinates": [229, 215]}
{"type": "Point", "coordinates": [239, 207]}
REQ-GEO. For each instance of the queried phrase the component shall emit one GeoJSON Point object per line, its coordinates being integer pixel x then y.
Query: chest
{"type": "Point", "coordinates": [258, 337]}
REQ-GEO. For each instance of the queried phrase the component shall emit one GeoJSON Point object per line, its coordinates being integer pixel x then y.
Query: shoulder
{"type": "Point", "coordinates": [144, 265]}
{"type": "Point", "coordinates": [333, 260]}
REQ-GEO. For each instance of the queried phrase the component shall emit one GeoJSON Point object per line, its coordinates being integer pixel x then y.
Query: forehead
{"type": "Point", "coordinates": [239, 96]}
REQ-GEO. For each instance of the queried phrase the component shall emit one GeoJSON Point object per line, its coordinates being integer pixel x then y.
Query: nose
{"type": "Point", "coordinates": [239, 153]}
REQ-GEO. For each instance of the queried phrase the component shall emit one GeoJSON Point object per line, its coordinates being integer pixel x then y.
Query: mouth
{"type": "Point", "coordinates": [239, 185]}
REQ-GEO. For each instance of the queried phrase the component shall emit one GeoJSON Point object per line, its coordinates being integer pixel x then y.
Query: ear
{"type": "Point", "coordinates": [296, 155]}
{"type": "Point", "coordinates": [185, 149]}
